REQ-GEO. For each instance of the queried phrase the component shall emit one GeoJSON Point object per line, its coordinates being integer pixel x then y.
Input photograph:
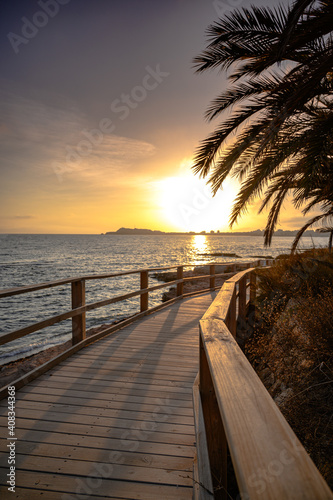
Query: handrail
{"type": "Point", "coordinates": [237, 413]}
{"type": "Point", "coordinates": [80, 308]}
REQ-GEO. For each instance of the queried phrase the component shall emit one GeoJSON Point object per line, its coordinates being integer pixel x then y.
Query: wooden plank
{"type": "Point", "coordinates": [25, 494]}
{"type": "Point", "coordinates": [127, 443]}
{"type": "Point", "coordinates": [240, 275]}
{"type": "Point", "coordinates": [84, 453]}
{"type": "Point", "coordinates": [128, 389]}
{"type": "Point", "coordinates": [114, 363]}
{"type": "Point", "coordinates": [215, 435]}
{"type": "Point", "coordinates": [187, 359]}
{"type": "Point", "coordinates": [160, 424]}
{"type": "Point", "coordinates": [129, 364]}
{"type": "Point", "coordinates": [86, 468]}
{"type": "Point", "coordinates": [259, 437]}
{"type": "Point", "coordinates": [105, 374]}
{"type": "Point", "coordinates": [107, 488]}
{"type": "Point", "coordinates": [140, 342]}
{"type": "Point", "coordinates": [187, 353]}
{"type": "Point", "coordinates": [112, 413]}
{"type": "Point", "coordinates": [142, 434]}
{"type": "Point", "coordinates": [203, 486]}
{"type": "Point", "coordinates": [106, 403]}
{"type": "Point", "coordinates": [119, 396]}
{"type": "Point", "coordinates": [127, 383]}
{"type": "Point", "coordinates": [163, 381]}
{"type": "Point", "coordinates": [167, 358]}
{"type": "Point", "coordinates": [148, 368]}
{"type": "Point", "coordinates": [220, 307]}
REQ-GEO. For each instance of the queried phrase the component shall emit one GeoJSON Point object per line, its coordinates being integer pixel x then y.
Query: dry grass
{"type": "Point", "coordinates": [291, 348]}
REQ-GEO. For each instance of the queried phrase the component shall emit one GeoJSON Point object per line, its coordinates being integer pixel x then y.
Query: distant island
{"type": "Point", "coordinates": [257, 232]}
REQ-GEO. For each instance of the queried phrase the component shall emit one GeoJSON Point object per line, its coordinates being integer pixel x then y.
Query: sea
{"type": "Point", "coordinates": [30, 259]}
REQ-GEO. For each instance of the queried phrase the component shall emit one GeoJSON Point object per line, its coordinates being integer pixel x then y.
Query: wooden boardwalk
{"type": "Point", "coordinates": [115, 420]}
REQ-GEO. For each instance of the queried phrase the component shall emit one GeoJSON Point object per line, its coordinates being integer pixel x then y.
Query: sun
{"type": "Point", "coordinates": [187, 203]}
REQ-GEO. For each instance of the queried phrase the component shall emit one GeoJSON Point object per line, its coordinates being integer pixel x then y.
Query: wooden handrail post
{"type": "Point", "coordinates": [231, 321]}
{"type": "Point", "coordinates": [216, 439]}
{"type": "Point", "coordinates": [253, 288]}
{"type": "Point", "coordinates": [242, 299]}
{"type": "Point", "coordinates": [180, 286]}
{"type": "Point", "coordinates": [212, 276]}
{"type": "Point", "coordinates": [143, 286]}
{"type": "Point", "coordinates": [79, 321]}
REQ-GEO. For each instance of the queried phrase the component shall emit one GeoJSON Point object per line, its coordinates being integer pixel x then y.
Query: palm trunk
{"type": "Point", "coordinates": [330, 242]}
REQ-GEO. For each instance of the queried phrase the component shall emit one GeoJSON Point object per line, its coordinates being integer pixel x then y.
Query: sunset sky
{"type": "Point", "coordinates": [101, 113]}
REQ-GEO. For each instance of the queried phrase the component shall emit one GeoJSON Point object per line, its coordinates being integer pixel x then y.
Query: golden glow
{"type": "Point", "coordinates": [187, 203]}
{"type": "Point", "coordinates": [199, 243]}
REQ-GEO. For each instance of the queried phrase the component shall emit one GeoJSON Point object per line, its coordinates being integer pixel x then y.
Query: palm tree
{"type": "Point", "coordinates": [277, 138]}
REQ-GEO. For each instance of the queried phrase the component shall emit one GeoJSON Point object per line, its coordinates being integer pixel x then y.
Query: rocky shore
{"type": "Point", "coordinates": [197, 284]}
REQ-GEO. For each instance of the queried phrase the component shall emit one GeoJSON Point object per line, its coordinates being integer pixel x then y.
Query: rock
{"type": "Point", "coordinates": [170, 294]}
{"type": "Point", "coordinates": [281, 399]}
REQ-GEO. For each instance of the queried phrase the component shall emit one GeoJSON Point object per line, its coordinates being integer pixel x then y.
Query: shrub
{"type": "Point", "coordinates": [293, 342]}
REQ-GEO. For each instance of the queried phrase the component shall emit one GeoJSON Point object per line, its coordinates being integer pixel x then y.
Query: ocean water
{"type": "Point", "coordinates": [32, 259]}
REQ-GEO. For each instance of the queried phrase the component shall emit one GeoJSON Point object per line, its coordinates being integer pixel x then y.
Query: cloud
{"type": "Point", "coordinates": [115, 155]}
{"type": "Point", "coordinates": [47, 142]}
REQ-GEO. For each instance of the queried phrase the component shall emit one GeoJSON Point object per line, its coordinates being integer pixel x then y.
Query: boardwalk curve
{"type": "Point", "coordinates": [115, 420]}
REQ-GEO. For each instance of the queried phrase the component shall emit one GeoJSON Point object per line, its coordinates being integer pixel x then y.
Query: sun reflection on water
{"type": "Point", "coordinates": [199, 243]}
{"type": "Point", "coordinates": [200, 247]}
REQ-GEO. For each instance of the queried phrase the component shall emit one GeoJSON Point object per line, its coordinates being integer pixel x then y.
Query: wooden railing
{"type": "Point", "coordinates": [234, 411]}
{"type": "Point", "coordinates": [80, 308]}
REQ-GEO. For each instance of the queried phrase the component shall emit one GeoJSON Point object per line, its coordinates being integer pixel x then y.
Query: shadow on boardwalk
{"type": "Point", "coordinates": [115, 420]}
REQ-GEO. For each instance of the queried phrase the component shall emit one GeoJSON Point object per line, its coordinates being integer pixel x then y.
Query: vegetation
{"type": "Point", "coordinates": [291, 347]}
{"type": "Point", "coordinates": [276, 135]}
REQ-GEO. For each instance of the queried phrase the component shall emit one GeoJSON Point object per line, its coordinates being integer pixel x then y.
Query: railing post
{"type": "Point", "coordinates": [215, 435]}
{"type": "Point", "coordinates": [242, 299]}
{"type": "Point", "coordinates": [231, 318]}
{"type": "Point", "coordinates": [253, 288]}
{"type": "Point", "coordinates": [79, 321]}
{"type": "Point", "coordinates": [143, 286]}
{"type": "Point", "coordinates": [180, 286]}
{"type": "Point", "coordinates": [212, 277]}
